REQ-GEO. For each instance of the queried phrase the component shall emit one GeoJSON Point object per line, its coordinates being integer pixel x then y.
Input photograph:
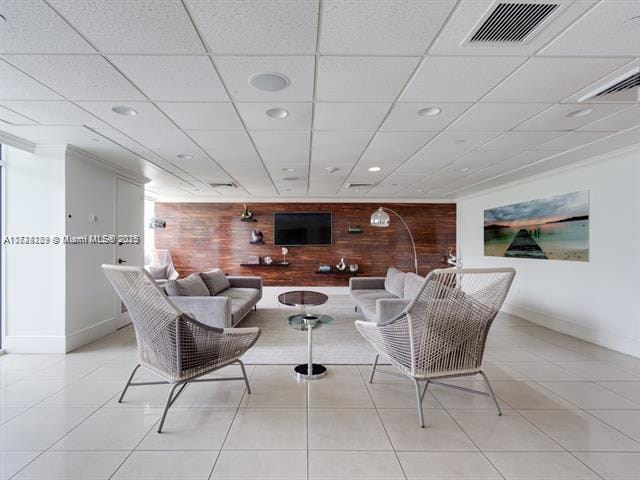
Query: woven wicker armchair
{"type": "Point", "coordinates": [172, 344]}
{"type": "Point", "coordinates": [442, 332]}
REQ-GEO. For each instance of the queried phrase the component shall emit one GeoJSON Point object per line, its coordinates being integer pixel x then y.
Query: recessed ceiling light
{"type": "Point", "coordinates": [332, 169]}
{"type": "Point", "coordinates": [290, 179]}
{"type": "Point", "coordinates": [289, 169]}
{"type": "Point", "coordinates": [278, 113]}
{"type": "Point", "coordinates": [269, 81]}
{"type": "Point", "coordinates": [429, 111]}
{"type": "Point", "coordinates": [463, 169]}
{"type": "Point", "coordinates": [184, 156]}
{"type": "Point", "coordinates": [582, 112]}
{"type": "Point", "coordinates": [419, 190]}
{"type": "Point", "coordinates": [375, 169]}
{"type": "Point", "coordinates": [122, 110]}
{"type": "Point", "coordinates": [460, 141]}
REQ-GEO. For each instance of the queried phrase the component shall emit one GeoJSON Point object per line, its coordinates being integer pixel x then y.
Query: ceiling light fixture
{"type": "Point", "coordinates": [374, 169]}
{"type": "Point", "coordinates": [278, 113]}
{"type": "Point", "coordinates": [332, 169]}
{"type": "Point", "coordinates": [289, 169]}
{"type": "Point", "coordinates": [122, 110]}
{"type": "Point", "coordinates": [582, 112]}
{"type": "Point", "coordinates": [269, 81]}
{"type": "Point", "coordinates": [460, 141]}
{"type": "Point", "coordinates": [290, 179]}
{"type": "Point", "coordinates": [184, 156]}
{"type": "Point", "coordinates": [429, 111]}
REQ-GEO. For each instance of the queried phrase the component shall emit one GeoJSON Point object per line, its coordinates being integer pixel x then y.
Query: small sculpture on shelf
{"type": "Point", "coordinates": [257, 236]}
{"type": "Point", "coordinates": [454, 259]}
{"type": "Point", "coordinates": [353, 267]}
{"type": "Point", "coordinates": [285, 250]}
{"type": "Point", "coordinates": [341, 265]}
{"type": "Point", "coordinates": [246, 213]}
{"type": "Point", "coordinates": [268, 260]}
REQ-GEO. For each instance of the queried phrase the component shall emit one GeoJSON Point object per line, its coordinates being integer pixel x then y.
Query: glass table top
{"type": "Point", "coordinates": [298, 298]}
{"type": "Point", "coordinates": [303, 321]}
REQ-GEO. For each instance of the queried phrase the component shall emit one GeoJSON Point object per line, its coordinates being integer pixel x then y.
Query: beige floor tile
{"type": "Point", "coordinates": [273, 372]}
{"type": "Point", "coordinates": [590, 395]}
{"type": "Point", "coordinates": [261, 465]}
{"type": "Point", "coordinates": [529, 395]}
{"type": "Point", "coordinates": [512, 354]}
{"type": "Point", "coordinates": [540, 465]}
{"type": "Point", "coordinates": [454, 398]}
{"type": "Point", "coordinates": [399, 395]}
{"type": "Point", "coordinates": [509, 432]}
{"type": "Point", "coordinates": [447, 465]}
{"type": "Point", "coordinates": [350, 465]}
{"type": "Point", "coordinates": [576, 430]}
{"type": "Point", "coordinates": [84, 394]}
{"type": "Point", "coordinates": [338, 393]}
{"type": "Point", "coordinates": [612, 466]}
{"type": "Point", "coordinates": [346, 429]}
{"type": "Point", "coordinates": [7, 413]}
{"type": "Point", "coordinates": [191, 429]}
{"type": "Point", "coordinates": [110, 429]}
{"type": "Point", "coordinates": [598, 371]}
{"type": "Point", "coordinates": [630, 390]}
{"type": "Point", "coordinates": [13, 462]}
{"type": "Point", "coordinates": [73, 466]}
{"type": "Point", "coordinates": [545, 371]}
{"type": "Point", "coordinates": [39, 428]}
{"type": "Point", "coordinates": [626, 421]}
{"type": "Point", "coordinates": [268, 428]}
{"type": "Point", "coordinates": [27, 393]}
{"type": "Point", "coordinates": [439, 434]}
{"type": "Point", "coordinates": [501, 372]}
{"type": "Point", "coordinates": [289, 393]}
{"type": "Point", "coordinates": [176, 465]}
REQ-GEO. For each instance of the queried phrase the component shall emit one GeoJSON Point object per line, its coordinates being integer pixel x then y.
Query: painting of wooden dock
{"type": "Point", "coordinates": [552, 228]}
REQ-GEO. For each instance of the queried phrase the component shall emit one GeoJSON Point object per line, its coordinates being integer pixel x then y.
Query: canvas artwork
{"type": "Point", "coordinates": [552, 228]}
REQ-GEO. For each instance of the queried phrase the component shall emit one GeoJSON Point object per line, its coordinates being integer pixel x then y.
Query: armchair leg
{"type": "Point", "coordinates": [244, 374]}
{"type": "Point", "coordinates": [493, 396]}
{"type": "Point", "coordinates": [373, 369]}
{"type": "Point", "coordinates": [126, 387]}
{"type": "Point", "coordinates": [419, 400]}
{"type": "Point", "coordinates": [170, 399]}
{"type": "Point", "coordinates": [424, 391]}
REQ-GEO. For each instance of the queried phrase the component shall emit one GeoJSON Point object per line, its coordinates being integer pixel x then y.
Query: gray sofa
{"type": "Point", "coordinates": [382, 298]}
{"type": "Point", "coordinates": [226, 307]}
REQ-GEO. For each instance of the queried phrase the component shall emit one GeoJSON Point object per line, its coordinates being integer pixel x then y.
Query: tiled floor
{"type": "Point", "coordinates": [571, 411]}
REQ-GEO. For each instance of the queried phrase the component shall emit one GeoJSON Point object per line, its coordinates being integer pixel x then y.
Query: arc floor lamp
{"type": "Point", "coordinates": [380, 218]}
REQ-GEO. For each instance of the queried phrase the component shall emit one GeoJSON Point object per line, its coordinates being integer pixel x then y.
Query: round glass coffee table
{"type": "Point", "coordinates": [306, 321]}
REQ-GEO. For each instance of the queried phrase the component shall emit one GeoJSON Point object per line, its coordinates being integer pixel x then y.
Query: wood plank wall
{"type": "Point", "coordinates": [201, 236]}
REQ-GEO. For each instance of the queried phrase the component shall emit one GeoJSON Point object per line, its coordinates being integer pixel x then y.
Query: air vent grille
{"type": "Point", "coordinates": [219, 185]}
{"type": "Point", "coordinates": [513, 22]}
{"type": "Point", "coordinates": [626, 84]}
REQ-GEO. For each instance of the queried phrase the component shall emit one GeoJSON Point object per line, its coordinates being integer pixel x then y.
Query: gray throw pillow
{"type": "Point", "coordinates": [412, 285]}
{"type": "Point", "coordinates": [192, 286]}
{"type": "Point", "coordinates": [394, 282]}
{"type": "Point", "coordinates": [215, 280]}
{"type": "Point", "coordinates": [157, 272]}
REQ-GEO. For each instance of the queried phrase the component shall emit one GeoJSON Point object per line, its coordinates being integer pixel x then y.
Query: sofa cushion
{"type": "Point", "coordinates": [412, 284]}
{"type": "Point", "coordinates": [192, 286]}
{"type": "Point", "coordinates": [157, 272]}
{"type": "Point", "coordinates": [215, 280]}
{"type": "Point", "coordinates": [394, 282]}
{"type": "Point", "coordinates": [242, 300]}
{"type": "Point", "coordinates": [360, 296]}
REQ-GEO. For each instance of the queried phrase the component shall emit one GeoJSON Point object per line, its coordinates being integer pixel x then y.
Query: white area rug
{"type": "Point", "coordinates": [336, 343]}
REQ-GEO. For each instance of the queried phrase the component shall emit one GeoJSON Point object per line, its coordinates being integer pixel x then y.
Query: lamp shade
{"type": "Point", "coordinates": [380, 218]}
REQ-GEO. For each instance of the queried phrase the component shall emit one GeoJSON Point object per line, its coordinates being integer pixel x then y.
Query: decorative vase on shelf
{"type": "Point", "coordinates": [268, 260]}
{"type": "Point", "coordinates": [285, 250]}
{"type": "Point", "coordinates": [341, 265]}
{"type": "Point", "coordinates": [353, 267]}
{"type": "Point", "coordinates": [246, 213]}
{"type": "Point", "coordinates": [257, 236]}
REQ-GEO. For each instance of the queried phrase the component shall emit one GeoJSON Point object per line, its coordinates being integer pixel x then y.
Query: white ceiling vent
{"type": "Point", "coordinates": [360, 185]}
{"type": "Point", "coordinates": [222, 185]}
{"type": "Point", "coordinates": [512, 22]}
{"type": "Point", "coordinates": [623, 88]}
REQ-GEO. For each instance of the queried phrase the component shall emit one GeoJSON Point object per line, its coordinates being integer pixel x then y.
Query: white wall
{"type": "Point", "coordinates": [599, 300]}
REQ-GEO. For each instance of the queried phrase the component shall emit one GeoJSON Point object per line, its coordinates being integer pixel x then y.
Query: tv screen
{"type": "Point", "coordinates": [292, 229]}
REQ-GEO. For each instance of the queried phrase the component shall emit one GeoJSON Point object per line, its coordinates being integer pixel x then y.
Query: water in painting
{"type": "Point", "coordinates": [552, 228]}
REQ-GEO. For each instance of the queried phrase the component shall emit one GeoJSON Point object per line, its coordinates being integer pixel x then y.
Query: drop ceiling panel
{"type": "Point", "coordinates": [538, 79]}
{"type": "Point", "coordinates": [382, 27]}
{"type": "Point", "coordinates": [572, 140]}
{"type": "Point", "coordinates": [15, 85]}
{"type": "Point", "coordinates": [141, 26]}
{"type": "Point", "coordinates": [520, 140]}
{"type": "Point", "coordinates": [255, 117]}
{"type": "Point", "coordinates": [14, 118]}
{"type": "Point", "coordinates": [459, 142]}
{"type": "Point", "coordinates": [601, 32]}
{"type": "Point", "coordinates": [173, 78]}
{"type": "Point", "coordinates": [555, 118]}
{"type": "Point", "coordinates": [362, 79]}
{"type": "Point", "coordinates": [283, 148]}
{"type": "Point", "coordinates": [227, 148]}
{"type": "Point", "coordinates": [148, 117]}
{"type": "Point", "coordinates": [257, 27]}
{"type": "Point", "coordinates": [404, 116]}
{"type": "Point", "coordinates": [54, 113]}
{"type": "Point", "coordinates": [470, 13]}
{"type": "Point", "coordinates": [349, 116]}
{"type": "Point", "coordinates": [236, 72]}
{"type": "Point", "coordinates": [527, 158]}
{"type": "Point", "coordinates": [30, 27]}
{"type": "Point", "coordinates": [496, 116]}
{"type": "Point", "coordinates": [479, 159]}
{"type": "Point", "coordinates": [166, 143]}
{"type": "Point", "coordinates": [458, 79]}
{"type": "Point", "coordinates": [338, 149]}
{"type": "Point", "coordinates": [202, 116]}
{"type": "Point", "coordinates": [617, 122]}
{"type": "Point", "coordinates": [77, 77]}
{"type": "Point", "coordinates": [393, 148]}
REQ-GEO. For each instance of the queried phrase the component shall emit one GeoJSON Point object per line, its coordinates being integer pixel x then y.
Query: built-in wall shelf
{"type": "Point", "coordinates": [258, 242]}
{"type": "Point", "coordinates": [248, 220]}
{"type": "Point", "coordinates": [339, 272]}
{"type": "Point", "coordinates": [259, 265]}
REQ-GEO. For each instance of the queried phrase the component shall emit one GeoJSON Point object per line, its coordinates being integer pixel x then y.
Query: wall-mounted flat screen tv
{"type": "Point", "coordinates": [302, 228]}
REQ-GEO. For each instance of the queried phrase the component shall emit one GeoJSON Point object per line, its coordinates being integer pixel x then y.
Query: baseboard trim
{"type": "Point", "coordinates": [618, 343]}
{"type": "Point", "coordinates": [33, 344]}
{"type": "Point", "coordinates": [89, 334]}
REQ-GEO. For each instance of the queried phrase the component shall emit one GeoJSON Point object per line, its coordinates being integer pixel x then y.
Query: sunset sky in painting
{"type": "Point", "coordinates": [539, 211]}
